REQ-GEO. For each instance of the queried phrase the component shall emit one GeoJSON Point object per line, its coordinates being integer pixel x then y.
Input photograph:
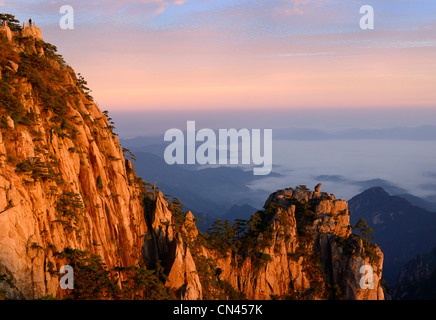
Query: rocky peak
{"type": "Point", "coordinates": [33, 32]}
{"type": "Point", "coordinates": [300, 247]}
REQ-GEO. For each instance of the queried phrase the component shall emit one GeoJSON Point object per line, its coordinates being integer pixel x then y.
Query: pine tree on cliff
{"type": "Point", "coordinates": [12, 23]}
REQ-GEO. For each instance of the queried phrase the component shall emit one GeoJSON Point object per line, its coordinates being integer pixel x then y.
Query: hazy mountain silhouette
{"type": "Point", "coordinates": [209, 191]}
{"type": "Point", "coordinates": [417, 279]}
{"type": "Point", "coordinates": [366, 184]}
{"type": "Point", "coordinates": [243, 212]}
{"type": "Point", "coordinates": [401, 229]}
{"type": "Point", "coordinates": [426, 133]}
{"type": "Point", "coordinates": [427, 204]}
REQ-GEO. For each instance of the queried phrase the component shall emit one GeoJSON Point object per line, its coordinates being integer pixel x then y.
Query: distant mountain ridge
{"type": "Point", "coordinates": [210, 191]}
{"type": "Point", "coordinates": [425, 133]}
{"type": "Point", "coordinates": [243, 212]}
{"type": "Point", "coordinates": [417, 279]}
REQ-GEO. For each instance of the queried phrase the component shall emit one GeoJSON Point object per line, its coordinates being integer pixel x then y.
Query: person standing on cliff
{"type": "Point", "coordinates": [30, 22]}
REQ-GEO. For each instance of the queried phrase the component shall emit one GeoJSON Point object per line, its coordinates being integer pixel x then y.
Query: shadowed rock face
{"type": "Point", "coordinates": [315, 259]}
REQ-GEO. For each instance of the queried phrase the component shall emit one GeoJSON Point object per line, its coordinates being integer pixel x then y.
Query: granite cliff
{"type": "Point", "coordinates": [64, 181]}
{"type": "Point", "coordinates": [68, 195]}
{"type": "Point", "coordinates": [300, 247]}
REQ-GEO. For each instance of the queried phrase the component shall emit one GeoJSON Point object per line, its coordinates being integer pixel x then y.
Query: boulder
{"type": "Point", "coordinates": [12, 66]}
{"type": "Point", "coordinates": [6, 32]}
{"type": "Point", "coordinates": [10, 122]}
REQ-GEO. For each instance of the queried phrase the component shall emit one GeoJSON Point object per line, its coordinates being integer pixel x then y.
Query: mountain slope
{"type": "Point", "coordinates": [417, 279]}
{"type": "Point", "coordinates": [64, 182]}
{"type": "Point", "coordinates": [401, 229]}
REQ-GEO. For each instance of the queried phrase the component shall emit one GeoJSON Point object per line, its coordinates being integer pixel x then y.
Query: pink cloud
{"type": "Point", "coordinates": [300, 7]}
{"type": "Point", "coordinates": [243, 55]}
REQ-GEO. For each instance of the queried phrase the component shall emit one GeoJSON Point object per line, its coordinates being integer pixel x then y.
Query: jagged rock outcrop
{"type": "Point", "coordinates": [55, 145]}
{"type": "Point", "coordinates": [306, 251]}
{"type": "Point", "coordinates": [165, 245]}
{"type": "Point", "coordinates": [32, 31]}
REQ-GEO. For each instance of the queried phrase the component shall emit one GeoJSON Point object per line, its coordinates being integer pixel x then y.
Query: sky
{"type": "Point", "coordinates": [208, 55]}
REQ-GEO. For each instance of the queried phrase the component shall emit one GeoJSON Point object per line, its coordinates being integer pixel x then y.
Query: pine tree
{"type": "Point", "coordinates": [13, 23]}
